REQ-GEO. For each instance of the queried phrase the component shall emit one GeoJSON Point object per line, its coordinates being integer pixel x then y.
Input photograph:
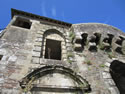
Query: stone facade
{"type": "Point", "coordinates": [86, 51]}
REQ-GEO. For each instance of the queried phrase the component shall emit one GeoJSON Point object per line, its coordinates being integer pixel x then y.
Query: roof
{"type": "Point", "coordinates": [38, 17]}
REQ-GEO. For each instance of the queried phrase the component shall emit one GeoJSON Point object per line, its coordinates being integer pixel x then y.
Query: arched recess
{"type": "Point", "coordinates": [82, 84]}
{"type": "Point", "coordinates": [117, 70]}
{"type": "Point", "coordinates": [53, 45]}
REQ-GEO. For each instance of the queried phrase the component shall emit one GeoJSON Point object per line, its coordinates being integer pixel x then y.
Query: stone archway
{"type": "Point", "coordinates": [117, 71]}
{"type": "Point", "coordinates": [80, 84]}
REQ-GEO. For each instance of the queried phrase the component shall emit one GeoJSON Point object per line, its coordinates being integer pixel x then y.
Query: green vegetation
{"type": "Point", "coordinates": [102, 65]}
{"type": "Point", "coordinates": [88, 62]}
{"type": "Point", "coordinates": [70, 54]}
{"type": "Point", "coordinates": [69, 61]}
{"type": "Point", "coordinates": [72, 36]}
{"type": "Point", "coordinates": [29, 85]}
{"type": "Point", "coordinates": [111, 55]}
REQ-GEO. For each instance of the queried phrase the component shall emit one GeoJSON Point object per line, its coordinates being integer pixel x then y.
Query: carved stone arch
{"type": "Point", "coordinates": [27, 83]}
{"type": "Point", "coordinates": [53, 41]}
{"type": "Point", "coordinates": [57, 30]}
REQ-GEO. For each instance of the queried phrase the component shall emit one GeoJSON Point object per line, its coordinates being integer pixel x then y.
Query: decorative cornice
{"type": "Point", "coordinates": [41, 18]}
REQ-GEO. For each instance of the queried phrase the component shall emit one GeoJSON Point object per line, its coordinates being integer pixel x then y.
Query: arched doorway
{"type": "Point", "coordinates": [117, 70]}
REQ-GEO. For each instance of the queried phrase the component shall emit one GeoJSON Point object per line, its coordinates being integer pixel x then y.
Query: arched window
{"type": "Point", "coordinates": [53, 45]}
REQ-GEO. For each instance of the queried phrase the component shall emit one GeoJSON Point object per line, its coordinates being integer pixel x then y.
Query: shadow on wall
{"type": "Point", "coordinates": [117, 70]}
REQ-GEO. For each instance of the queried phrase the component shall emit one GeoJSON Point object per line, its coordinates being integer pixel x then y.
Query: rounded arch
{"type": "Point", "coordinates": [117, 71]}
{"type": "Point", "coordinates": [40, 72]}
{"type": "Point", "coordinates": [53, 31]}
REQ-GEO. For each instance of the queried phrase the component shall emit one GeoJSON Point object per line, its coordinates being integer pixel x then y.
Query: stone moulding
{"type": "Point", "coordinates": [26, 83]}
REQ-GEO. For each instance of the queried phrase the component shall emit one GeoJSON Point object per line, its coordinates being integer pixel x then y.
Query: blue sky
{"type": "Point", "coordinates": [110, 12]}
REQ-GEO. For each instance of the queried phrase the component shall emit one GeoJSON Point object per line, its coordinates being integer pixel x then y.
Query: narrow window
{"type": "Point", "coordinates": [98, 37]}
{"type": "Point", "coordinates": [24, 23]}
{"type": "Point", "coordinates": [1, 57]}
{"type": "Point", "coordinates": [84, 39]}
{"type": "Point", "coordinates": [53, 49]}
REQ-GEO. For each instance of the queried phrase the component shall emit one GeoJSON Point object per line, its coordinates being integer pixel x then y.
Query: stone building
{"type": "Point", "coordinates": [39, 55]}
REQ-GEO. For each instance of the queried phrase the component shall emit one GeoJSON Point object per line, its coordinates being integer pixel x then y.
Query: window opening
{"type": "Point", "coordinates": [98, 37]}
{"type": "Point", "coordinates": [84, 39]}
{"type": "Point", "coordinates": [119, 50]}
{"type": "Point", "coordinates": [53, 49]}
{"type": "Point", "coordinates": [1, 57]}
{"type": "Point", "coordinates": [24, 23]}
{"type": "Point", "coordinates": [120, 40]}
{"type": "Point", "coordinates": [93, 48]}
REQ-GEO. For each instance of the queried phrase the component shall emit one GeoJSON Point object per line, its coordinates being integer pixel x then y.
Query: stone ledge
{"type": "Point", "coordinates": [53, 62]}
{"type": "Point", "coordinates": [40, 32]}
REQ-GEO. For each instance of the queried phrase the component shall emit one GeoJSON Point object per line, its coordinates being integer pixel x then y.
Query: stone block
{"type": "Point", "coordinates": [69, 49]}
{"type": "Point", "coordinates": [68, 44]}
{"type": "Point", "coordinates": [123, 47]}
{"type": "Point", "coordinates": [36, 60]}
{"type": "Point", "coordinates": [114, 90]}
{"type": "Point", "coordinates": [92, 44]}
{"type": "Point", "coordinates": [36, 54]}
{"type": "Point", "coordinates": [39, 39]}
{"type": "Point", "coordinates": [36, 48]}
{"type": "Point", "coordinates": [107, 64]}
{"type": "Point", "coordinates": [106, 75]}
{"type": "Point", "coordinates": [39, 36]}
{"type": "Point", "coordinates": [12, 58]}
{"type": "Point", "coordinates": [63, 43]}
{"type": "Point", "coordinates": [64, 51]}
{"type": "Point", "coordinates": [68, 41]}
{"type": "Point", "coordinates": [38, 43]}
{"type": "Point", "coordinates": [106, 69]}
{"type": "Point", "coordinates": [63, 47]}
{"type": "Point", "coordinates": [110, 82]}
{"type": "Point", "coordinates": [42, 61]}
{"type": "Point", "coordinates": [40, 32]}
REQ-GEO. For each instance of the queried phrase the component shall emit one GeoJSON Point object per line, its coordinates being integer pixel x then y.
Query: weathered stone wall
{"type": "Point", "coordinates": [83, 50]}
{"type": "Point", "coordinates": [94, 65]}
